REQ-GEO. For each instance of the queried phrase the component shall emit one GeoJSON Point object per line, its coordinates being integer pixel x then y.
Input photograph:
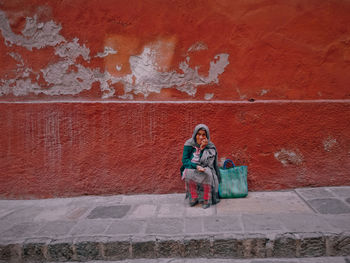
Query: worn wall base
{"type": "Point", "coordinates": [69, 149]}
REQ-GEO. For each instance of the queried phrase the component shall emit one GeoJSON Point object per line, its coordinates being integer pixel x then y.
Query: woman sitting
{"type": "Point", "coordinates": [200, 168]}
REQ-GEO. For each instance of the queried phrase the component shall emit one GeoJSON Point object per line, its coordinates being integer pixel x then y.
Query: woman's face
{"type": "Point", "coordinates": [201, 135]}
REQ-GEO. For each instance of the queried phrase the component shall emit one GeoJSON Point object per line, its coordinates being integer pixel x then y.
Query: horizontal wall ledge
{"type": "Point", "coordinates": [177, 102]}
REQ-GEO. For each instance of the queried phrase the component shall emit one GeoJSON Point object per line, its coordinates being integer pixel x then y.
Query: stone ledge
{"type": "Point", "coordinates": [239, 246]}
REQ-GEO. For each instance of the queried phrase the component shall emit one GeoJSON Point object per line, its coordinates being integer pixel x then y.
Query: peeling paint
{"type": "Point", "coordinates": [263, 92]}
{"type": "Point", "coordinates": [208, 96]}
{"type": "Point", "coordinates": [329, 143]}
{"type": "Point", "coordinates": [72, 50]}
{"type": "Point", "coordinates": [148, 79]}
{"type": "Point", "coordinates": [287, 157]}
{"type": "Point", "coordinates": [106, 52]}
{"type": "Point", "coordinates": [197, 47]}
{"type": "Point", "coordinates": [144, 78]}
{"type": "Point", "coordinates": [35, 35]}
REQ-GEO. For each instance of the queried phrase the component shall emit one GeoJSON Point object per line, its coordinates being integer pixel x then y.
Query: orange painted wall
{"type": "Point", "coordinates": [98, 97]}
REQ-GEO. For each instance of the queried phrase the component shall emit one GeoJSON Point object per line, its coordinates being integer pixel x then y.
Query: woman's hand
{"type": "Point", "coordinates": [204, 143]}
{"type": "Point", "coordinates": [200, 168]}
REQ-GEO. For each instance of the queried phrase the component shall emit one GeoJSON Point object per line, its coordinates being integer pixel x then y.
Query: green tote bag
{"type": "Point", "coordinates": [233, 181]}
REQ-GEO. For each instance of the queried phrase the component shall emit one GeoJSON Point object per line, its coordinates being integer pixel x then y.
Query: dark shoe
{"type": "Point", "coordinates": [193, 202]}
{"type": "Point", "coordinates": [205, 205]}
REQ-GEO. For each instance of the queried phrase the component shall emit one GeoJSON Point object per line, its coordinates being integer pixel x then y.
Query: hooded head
{"type": "Point", "coordinates": [193, 140]}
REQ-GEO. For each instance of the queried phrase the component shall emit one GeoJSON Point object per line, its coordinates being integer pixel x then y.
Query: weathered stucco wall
{"type": "Point", "coordinates": [98, 97]}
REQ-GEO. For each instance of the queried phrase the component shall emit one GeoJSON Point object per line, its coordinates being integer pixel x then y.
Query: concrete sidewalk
{"type": "Point", "coordinates": [308, 222]}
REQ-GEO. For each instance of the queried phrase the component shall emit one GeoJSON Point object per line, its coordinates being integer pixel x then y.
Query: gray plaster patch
{"type": "Point", "coordinates": [329, 206]}
{"type": "Point", "coordinates": [117, 211]}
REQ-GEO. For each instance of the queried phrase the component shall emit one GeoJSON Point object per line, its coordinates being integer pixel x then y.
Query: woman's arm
{"type": "Point", "coordinates": [186, 158]}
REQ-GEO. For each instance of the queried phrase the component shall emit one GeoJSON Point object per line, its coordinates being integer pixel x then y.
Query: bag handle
{"type": "Point", "coordinates": [228, 161]}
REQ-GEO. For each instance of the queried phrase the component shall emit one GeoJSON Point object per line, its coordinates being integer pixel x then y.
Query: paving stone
{"type": "Point", "coordinates": [90, 227]}
{"type": "Point", "coordinates": [260, 202]}
{"type": "Point", "coordinates": [125, 227]}
{"type": "Point", "coordinates": [340, 222]}
{"type": "Point", "coordinates": [339, 244]}
{"type": "Point", "coordinates": [197, 248]}
{"type": "Point", "coordinates": [329, 206]}
{"type": "Point", "coordinates": [21, 215]}
{"type": "Point", "coordinates": [199, 211]}
{"type": "Point", "coordinates": [144, 248]}
{"type": "Point", "coordinates": [171, 210]}
{"type": "Point", "coordinates": [341, 191]}
{"type": "Point", "coordinates": [6, 252]}
{"type": "Point", "coordinates": [312, 246]}
{"type": "Point", "coordinates": [88, 250]}
{"type": "Point", "coordinates": [170, 199]}
{"type": "Point", "coordinates": [143, 211]}
{"type": "Point", "coordinates": [305, 223]}
{"type": "Point", "coordinates": [228, 248]}
{"type": "Point", "coordinates": [254, 223]}
{"type": "Point", "coordinates": [170, 248]}
{"type": "Point", "coordinates": [34, 251]}
{"type": "Point", "coordinates": [274, 261]}
{"type": "Point", "coordinates": [60, 250]}
{"type": "Point", "coordinates": [323, 260]}
{"type": "Point", "coordinates": [138, 199]}
{"type": "Point", "coordinates": [77, 213]}
{"type": "Point", "coordinates": [21, 230]}
{"type": "Point", "coordinates": [117, 249]}
{"type": "Point", "coordinates": [118, 211]}
{"type": "Point", "coordinates": [168, 226]}
{"type": "Point", "coordinates": [193, 225]}
{"type": "Point", "coordinates": [314, 193]}
{"type": "Point", "coordinates": [222, 224]}
{"type": "Point", "coordinates": [284, 246]}
{"type": "Point", "coordinates": [53, 213]}
{"type": "Point", "coordinates": [55, 229]}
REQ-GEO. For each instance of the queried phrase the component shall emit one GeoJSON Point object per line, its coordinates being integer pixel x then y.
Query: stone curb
{"type": "Point", "coordinates": [239, 246]}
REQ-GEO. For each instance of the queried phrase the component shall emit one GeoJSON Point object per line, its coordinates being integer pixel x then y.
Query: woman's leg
{"type": "Point", "coordinates": [193, 189]}
{"type": "Point", "coordinates": [206, 195]}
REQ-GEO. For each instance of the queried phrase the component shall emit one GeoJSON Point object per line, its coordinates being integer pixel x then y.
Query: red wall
{"type": "Point", "coordinates": [98, 97]}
